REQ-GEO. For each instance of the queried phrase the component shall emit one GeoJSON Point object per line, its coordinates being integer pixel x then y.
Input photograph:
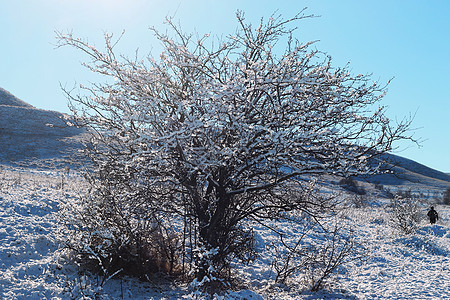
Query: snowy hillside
{"type": "Point", "coordinates": [6, 98]}
{"type": "Point", "coordinates": [412, 166]}
{"type": "Point", "coordinates": [28, 134]}
{"type": "Point", "coordinates": [411, 175]}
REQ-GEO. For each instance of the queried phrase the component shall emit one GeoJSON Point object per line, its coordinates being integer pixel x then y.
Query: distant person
{"type": "Point", "coordinates": [433, 215]}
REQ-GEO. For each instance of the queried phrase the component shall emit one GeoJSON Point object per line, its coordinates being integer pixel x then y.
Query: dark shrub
{"type": "Point", "coordinates": [446, 198]}
{"type": "Point", "coordinates": [349, 184]}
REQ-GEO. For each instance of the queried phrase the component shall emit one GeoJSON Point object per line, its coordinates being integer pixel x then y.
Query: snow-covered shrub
{"type": "Point", "coordinates": [338, 249]}
{"type": "Point", "coordinates": [214, 134]}
{"type": "Point", "coordinates": [83, 288]}
{"type": "Point", "coordinates": [112, 230]}
{"type": "Point", "coordinates": [317, 254]}
{"type": "Point", "coordinates": [358, 201]}
{"type": "Point", "coordinates": [405, 212]}
{"type": "Point", "coordinates": [205, 265]}
{"type": "Point", "coordinates": [351, 185]}
{"type": "Point", "coordinates": [446, 197]}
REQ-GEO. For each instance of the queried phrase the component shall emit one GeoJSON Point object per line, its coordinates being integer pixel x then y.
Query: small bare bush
{"type": "Point", "coordinates": [337, 250]}
{"type": "Point", "coordinates": [358, 201]}
{"type": "Point", "coordinates": [112, 234]}
{"type": "Point", "coordinates": [317, 255]}
{"type": "Point", "coordinates": [405, 214]}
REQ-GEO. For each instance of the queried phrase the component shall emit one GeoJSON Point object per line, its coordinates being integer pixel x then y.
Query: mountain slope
{"type": "Point", "coordinates": [28, 135]}
{"type": "Point", "coordinates": [6, 98]}
{"type": "Point", "coordinates": [415, 167]}
{"type": "Point", "coordinates": [409, 174]}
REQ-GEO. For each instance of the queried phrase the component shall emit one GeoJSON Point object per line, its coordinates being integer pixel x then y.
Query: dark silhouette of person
{"type": "Point", "coordinates": [433, 215]}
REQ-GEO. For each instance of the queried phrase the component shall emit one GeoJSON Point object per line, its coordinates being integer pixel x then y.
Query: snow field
{"type": "Point", "coordinates": [33, 264]}
{"type": "Point", "coordinates": [402, 267]}
{"type": "Point", "coordinates": [28, 249]}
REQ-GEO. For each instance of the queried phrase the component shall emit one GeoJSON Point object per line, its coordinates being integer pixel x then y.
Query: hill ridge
{"type": "Point", "coordinates": [411, 165]}
{"type": "Point", "coordinates": [8, 99]}
{"type": "Point", "coordinates": [31, 135]}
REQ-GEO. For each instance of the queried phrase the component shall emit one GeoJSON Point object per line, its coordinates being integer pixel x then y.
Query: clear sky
{"type": "Point", "coordinates": [405, 39]}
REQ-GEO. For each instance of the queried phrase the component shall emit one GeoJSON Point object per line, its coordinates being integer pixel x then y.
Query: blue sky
{"type": "Point", "coordinates": [404, 39]}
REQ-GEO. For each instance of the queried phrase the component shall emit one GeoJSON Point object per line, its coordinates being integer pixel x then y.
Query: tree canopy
{"type": "Point", "coordinates": [222, 131]}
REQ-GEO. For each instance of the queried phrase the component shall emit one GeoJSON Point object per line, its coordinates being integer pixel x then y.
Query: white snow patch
{"type": "Point", "coordinates": [33, 264]}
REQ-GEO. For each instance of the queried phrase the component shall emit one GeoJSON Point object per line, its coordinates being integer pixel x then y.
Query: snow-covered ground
{"type": "Point", "coordinates": [29, 253]}
{"type": "Point", "coordinates": [34, 265]}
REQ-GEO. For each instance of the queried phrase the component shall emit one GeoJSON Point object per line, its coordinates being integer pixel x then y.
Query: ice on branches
{"type": "Point", "coordinates": [218, 133]}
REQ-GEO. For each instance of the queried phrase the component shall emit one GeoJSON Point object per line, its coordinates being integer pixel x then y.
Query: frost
{"type": "Point", "coordinates": [202, 142]}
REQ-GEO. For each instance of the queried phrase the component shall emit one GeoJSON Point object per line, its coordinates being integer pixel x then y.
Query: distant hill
{"type": "Point", "coordinates": [29, 135]}
{"type": "Point", "coordinates": [409, 174]}
{"type": "Point", "coordinates": [415, 167]}
{"type": "Point", "coordinates": [6, 98]}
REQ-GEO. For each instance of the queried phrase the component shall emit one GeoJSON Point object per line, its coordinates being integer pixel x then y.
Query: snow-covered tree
{"type": "Point", "coordinates": [223, 131]}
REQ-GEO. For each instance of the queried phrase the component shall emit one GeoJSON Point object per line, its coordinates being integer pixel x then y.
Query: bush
{"type": "Point", "coordinates": [352, 186]}
{"type": "Point", "coordinates": [446, 197]}
{"type": "Point", "coordinates": [358, 201]}
{"type": "Point", "coordinates": [211, 134]}
{"type": "Point", "coordinates": [115, 234]}
{"type": "Point", "coordinates": [405, 214]}
{"type": "Point", "coordinates": [332, 248]}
